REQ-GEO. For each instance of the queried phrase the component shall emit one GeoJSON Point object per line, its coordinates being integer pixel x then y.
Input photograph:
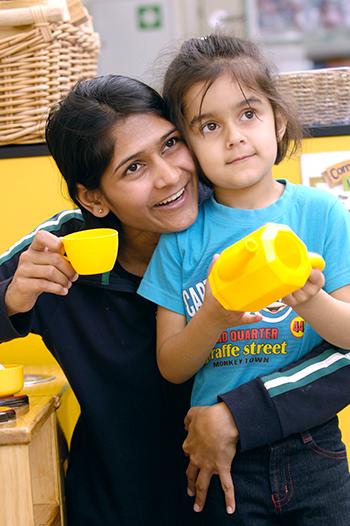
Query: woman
{"type": "Point", "coordinates": [126, 167]}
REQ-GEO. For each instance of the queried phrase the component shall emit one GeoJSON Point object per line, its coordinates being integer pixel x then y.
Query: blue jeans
{"type": "Point", "coordinates": [300, 481]}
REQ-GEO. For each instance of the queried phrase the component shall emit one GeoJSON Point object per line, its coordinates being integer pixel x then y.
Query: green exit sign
{"type": "Point", "coordinates": [149, 16]}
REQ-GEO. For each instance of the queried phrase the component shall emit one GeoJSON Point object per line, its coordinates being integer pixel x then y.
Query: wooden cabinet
{"type": "Point", "coordinates": [31, 466]}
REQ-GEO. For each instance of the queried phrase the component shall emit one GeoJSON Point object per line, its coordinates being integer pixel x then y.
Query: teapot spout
{"type": "Point", "coordinates": [234, 260]}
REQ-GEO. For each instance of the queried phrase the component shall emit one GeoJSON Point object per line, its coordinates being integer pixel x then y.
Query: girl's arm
{"type": "Point", "coordinates": [183, 349]}
{"type": "Point", "coordinates": [328, 314]}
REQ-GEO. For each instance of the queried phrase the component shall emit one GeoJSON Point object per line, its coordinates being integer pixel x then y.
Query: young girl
{"type": "Point", "coordinates": [223, 97]}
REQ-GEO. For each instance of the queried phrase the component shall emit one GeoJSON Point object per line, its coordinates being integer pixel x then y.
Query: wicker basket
{"type": "Point", "coordinates": [322, 96]}
{"type": "Point", "coordinates": [38, 65]}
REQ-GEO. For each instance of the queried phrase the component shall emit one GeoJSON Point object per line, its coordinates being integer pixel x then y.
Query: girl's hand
{"type": "Point", "coordinates": [313, 285]}
{"type": "Point", "coordinates": [41, 268]}
{"type": "Point", "coordinates": [223, 317]}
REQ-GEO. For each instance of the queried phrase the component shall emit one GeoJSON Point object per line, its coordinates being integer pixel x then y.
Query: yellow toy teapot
{"type": "Point", "coordinates": [261, 268]}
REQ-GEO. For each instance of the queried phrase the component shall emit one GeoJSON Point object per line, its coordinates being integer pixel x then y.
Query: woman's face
{"type": "Point", "coordinates": [150, 184]}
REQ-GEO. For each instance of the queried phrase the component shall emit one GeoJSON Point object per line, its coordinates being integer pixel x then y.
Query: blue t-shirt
{"type": "Point", "coordinates": [176, 276]}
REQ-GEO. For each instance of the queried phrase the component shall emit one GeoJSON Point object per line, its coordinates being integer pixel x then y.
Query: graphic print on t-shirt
{"type": "Point", "coordinates": [250, 350]}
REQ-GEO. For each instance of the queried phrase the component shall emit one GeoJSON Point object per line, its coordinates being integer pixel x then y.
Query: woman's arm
{"type": "Point", "coordinates": [33, 265]}
{"type": "Point", "coordinates": [263, 411]}
{"type": "Point", "coordinates": [314, 385]}
{"type": "Point", "coordinates": [251, 414]}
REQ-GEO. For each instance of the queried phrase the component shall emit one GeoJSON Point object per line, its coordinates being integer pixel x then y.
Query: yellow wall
{"type": "Point", "coordinates": [32, 190]}
{"type": "Point", "coordinates": [291, 170]}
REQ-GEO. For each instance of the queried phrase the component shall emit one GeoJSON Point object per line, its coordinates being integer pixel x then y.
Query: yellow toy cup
{"type": "Point", "coordinates": [261, 268]}
{"type": "Point", "coordinates": [11, 379]}
{"type": "Point", "coordinates": [92, 251]}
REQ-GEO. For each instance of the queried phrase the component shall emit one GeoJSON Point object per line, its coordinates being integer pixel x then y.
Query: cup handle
{"type": "Point", "coordinates": [316, 260]}
{"type": "Point", "coordinates": [67, 259]}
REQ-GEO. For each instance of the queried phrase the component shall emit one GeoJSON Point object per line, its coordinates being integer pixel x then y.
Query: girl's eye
{"type": "Point", "coordinates": [133, 168]}
{"type": "Point", "coordinates": [209, 127]}
{"type": "Point", "coordinates": [248, 115]}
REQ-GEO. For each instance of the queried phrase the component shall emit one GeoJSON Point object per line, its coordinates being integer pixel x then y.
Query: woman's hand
{"type": "Point", "coordinates": [313, 285]}
{"type": "Point", "coordinates": [211, 446]}
{"type": "Point", "coordinates": [41, 268]}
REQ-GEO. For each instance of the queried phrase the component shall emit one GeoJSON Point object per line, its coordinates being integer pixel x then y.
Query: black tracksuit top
{"type": "Point", "coordinates": [126, 466]}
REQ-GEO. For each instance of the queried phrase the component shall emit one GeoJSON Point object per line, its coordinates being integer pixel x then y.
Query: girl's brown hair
{"type": "Point", "coordinates": [206, 59]}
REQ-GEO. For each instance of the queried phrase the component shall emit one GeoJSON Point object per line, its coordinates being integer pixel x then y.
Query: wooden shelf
{"type": "Point", "coordinates": [46, 515]}
{"type": "Point", "coordinates": [31, 463]}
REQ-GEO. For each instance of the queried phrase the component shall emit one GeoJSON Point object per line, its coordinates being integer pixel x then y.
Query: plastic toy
{"type": "Point", "coordinates": [11, 379]}
{"type": "Point", "coordinates": [261, 268]}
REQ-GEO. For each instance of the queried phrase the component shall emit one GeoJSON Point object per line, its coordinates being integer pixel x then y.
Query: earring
{"type": "Point", "coordinates": [100, 211]}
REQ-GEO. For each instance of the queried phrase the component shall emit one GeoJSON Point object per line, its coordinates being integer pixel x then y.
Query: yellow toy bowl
{"type": "Point", "coordinates": [11, 379]}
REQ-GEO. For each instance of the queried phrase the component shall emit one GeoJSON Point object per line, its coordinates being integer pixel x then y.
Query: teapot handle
{"type": "Point", "coordinates": [316, 260]}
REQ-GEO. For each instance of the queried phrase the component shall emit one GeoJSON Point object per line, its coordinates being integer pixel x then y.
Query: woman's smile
{"type": "Point", "coordinates": [172, 199]}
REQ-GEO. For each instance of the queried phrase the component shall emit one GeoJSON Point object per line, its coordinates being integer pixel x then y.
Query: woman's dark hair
{"type": "Point", "coordinates": [206, 59]}
{"type": "Point", "coordinates": [79, 128]}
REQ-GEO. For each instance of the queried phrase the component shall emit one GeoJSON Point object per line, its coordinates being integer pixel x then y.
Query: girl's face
{"type": "Point", "coordinates": [233, 135]}
{"type": "Point", "coordinates": [150, 184]}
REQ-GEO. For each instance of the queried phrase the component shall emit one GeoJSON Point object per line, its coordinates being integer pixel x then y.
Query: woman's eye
{"type": "Point", "coordinates": [133, 168]}
{"type": "Point", "coordinates": [209, 127]}
{"type": "Point", "coordinates": [171, 142]}
{"type": "Point", "coordinates": [248, 115]}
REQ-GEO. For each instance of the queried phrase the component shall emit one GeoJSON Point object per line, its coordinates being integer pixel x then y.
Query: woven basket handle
{"type": "Point", "coordinates": [23, 16]}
